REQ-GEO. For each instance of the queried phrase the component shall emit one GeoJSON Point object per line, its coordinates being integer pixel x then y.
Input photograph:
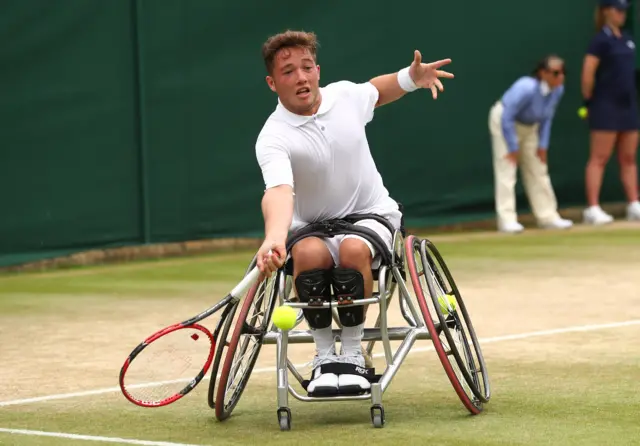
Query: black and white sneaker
{"type": "Point", "coordinates": [323, 383]}
{"type": "Point", "coordinates": [357, 379]}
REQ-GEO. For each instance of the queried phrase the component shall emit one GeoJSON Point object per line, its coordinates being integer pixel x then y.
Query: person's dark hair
{"type": "Point", "coordinates": [543, 64]}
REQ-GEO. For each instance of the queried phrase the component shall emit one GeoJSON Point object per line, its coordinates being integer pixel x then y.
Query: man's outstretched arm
{"type": "Point", "coordinates": [392, 87]}
{"type": "Point", "coordinates": [277, 202]}
{"type": "Point", "coordinates": [277, 209]}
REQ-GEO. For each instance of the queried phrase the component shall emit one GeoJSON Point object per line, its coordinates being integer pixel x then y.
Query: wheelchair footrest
{"type": "Point", "coordinates": [344, 392]}
{"type": "Point", "coordinates": [373, 380]}
{"type": "Point", "coordinates": [346, 369]}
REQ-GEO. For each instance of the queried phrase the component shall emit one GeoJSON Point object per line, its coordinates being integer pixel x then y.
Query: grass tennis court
{"type": "Point", "coordinates": [558, 314]}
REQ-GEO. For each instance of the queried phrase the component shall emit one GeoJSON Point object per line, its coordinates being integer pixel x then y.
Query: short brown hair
{"type": "Point", "coordinates": [288, 39]}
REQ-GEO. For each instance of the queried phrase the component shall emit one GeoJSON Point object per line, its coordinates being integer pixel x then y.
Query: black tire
{"type": "Point", "coordinates": [221, 348]}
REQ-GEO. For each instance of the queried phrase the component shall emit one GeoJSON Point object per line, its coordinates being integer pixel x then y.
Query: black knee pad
{"type": "Point", "coordinates": [314, 287]}
{"type": "Point", "coordinates": [349, 286]}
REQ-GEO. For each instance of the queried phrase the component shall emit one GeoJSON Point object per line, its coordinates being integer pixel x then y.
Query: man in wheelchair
{"type": "Point", "coordinates": [317, 166]}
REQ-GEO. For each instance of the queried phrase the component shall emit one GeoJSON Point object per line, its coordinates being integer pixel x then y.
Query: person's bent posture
{"type": "Point", "coordinates": [317, 165]}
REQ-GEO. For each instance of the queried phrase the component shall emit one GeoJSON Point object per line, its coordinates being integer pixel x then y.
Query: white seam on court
{"type": "Point", "coordinates": [91, 438]}
{"type": "Point", "coordinates": [512, 337]}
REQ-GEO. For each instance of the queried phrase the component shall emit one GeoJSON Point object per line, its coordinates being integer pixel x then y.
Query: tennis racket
{"type": "Point", "coordinates": [171, 362]}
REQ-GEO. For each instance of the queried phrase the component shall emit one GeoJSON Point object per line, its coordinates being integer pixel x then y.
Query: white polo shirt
{"type": "Point", "coordinates": [326, 157]}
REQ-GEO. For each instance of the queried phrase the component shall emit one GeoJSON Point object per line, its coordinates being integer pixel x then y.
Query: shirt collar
{"type": "Point", "coordinates": [545, 90]}
{"type": "Point", "coordinates": [609, 32]}
{"type": "Point", "coordinates": [297, 120]}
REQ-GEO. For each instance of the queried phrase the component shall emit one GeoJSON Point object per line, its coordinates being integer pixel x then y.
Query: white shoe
{"type": "Point", "coordinates": [512, 227]}
{"type": "Point", "coordinates": [633, 211]}
{"type": "Point", "coordinates": [559, 223]}
{"type": "Point", "coordinates": [348, 383]}
{"type": "Point", "coordinates": [322, 384]}
{"type": "Point", "coordinates": [594, 215]}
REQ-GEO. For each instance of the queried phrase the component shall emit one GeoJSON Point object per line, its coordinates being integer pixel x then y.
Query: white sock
{"type": "Point", "coordinates": [351, 339]}
{"type": "Point", "coordinates": [323, 338]}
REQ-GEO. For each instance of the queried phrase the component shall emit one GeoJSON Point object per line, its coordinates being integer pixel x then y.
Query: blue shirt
{"type": "Point", "coordinates": [524, 102]}
{"type": "Point", "coordinates": [615, 76]}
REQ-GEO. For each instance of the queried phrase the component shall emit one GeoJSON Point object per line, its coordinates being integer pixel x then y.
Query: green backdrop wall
{"type": "Point", "coordinates": [134, 121]}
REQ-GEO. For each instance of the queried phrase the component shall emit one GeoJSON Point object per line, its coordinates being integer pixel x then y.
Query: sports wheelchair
{"type": "Point", "coordinates": [434, 311]}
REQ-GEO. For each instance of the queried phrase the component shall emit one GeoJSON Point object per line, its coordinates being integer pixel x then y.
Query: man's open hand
{"type": "Point", "coordinates": [426, 75]}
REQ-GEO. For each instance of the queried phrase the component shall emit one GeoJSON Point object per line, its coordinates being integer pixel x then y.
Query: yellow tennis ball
{"type": "Point", "coordinates": [444, 300]}
{"type": "Point", "coordinates": [583, 112]}
{"type": "Point", "coordinates": [284, 317]}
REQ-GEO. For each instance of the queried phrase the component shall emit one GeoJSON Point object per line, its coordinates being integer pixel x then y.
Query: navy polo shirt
{"type": "Point", "coordinates": [615, 75]}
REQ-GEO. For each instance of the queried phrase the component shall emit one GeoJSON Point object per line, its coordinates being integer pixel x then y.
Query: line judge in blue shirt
{"type": "Point", "coordinates": [520, 127]}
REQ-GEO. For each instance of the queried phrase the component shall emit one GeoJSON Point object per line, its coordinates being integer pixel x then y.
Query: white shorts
{"type": "Point", "coordinates": [333, 243]}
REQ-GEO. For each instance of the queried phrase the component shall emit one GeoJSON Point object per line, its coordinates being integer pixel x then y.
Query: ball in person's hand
{"type": "Point", "coordinates": [583, 112]}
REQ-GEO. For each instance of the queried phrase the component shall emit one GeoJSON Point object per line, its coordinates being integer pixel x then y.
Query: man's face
{"type": "Point", "coordinates": [296, 79]}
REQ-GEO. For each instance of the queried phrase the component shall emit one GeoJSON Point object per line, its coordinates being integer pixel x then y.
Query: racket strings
{"type": "Point", "coordinates": [167, 365]}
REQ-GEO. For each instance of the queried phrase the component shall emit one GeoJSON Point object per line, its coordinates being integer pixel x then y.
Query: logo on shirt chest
{"type": "Point", "coordinates": [631, 45]}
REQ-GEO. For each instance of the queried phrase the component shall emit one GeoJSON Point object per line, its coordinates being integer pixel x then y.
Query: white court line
{"type": "Point", "coordinates": [482, 341]}
{"type": "Point", "coordinates": [91, 438]}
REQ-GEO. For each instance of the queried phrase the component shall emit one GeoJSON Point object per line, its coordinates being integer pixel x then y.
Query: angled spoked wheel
{"type": "Point", "coordinates": [244, 345]}
{"type": "Point", "coordinates": [457, 326]}
{"type": "Point", "coordinates": [448, 322]}
{"type": "Point", "coordinates": [222, 336]}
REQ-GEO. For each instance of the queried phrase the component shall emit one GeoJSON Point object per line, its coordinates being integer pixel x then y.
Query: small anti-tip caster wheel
{"type": "Point", "coordinates": [284, 418]}
{"type": "Point", "coordinates": [377, 415]}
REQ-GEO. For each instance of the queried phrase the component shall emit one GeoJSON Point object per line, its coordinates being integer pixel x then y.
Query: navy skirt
{"type": "Point", "coordinates": [609, 116]}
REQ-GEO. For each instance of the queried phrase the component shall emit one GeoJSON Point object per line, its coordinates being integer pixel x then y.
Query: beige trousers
{"type": "Point", "coordinates": [534, 172]}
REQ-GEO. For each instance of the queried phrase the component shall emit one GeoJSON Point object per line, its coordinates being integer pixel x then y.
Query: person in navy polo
{"type": "Point", "coordinates": [609, 90]}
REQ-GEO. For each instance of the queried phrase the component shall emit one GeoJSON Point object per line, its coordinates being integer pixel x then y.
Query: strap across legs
{"type": "Point", "coordinates": [331, 228]}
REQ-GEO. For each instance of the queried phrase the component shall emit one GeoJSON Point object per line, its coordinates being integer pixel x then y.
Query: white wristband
{"type": "Point", "coordinates": [405, 81]}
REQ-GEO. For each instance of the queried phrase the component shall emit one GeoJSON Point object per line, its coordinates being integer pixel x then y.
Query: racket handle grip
{"type": "Point", "coordinates": [241, 288]}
